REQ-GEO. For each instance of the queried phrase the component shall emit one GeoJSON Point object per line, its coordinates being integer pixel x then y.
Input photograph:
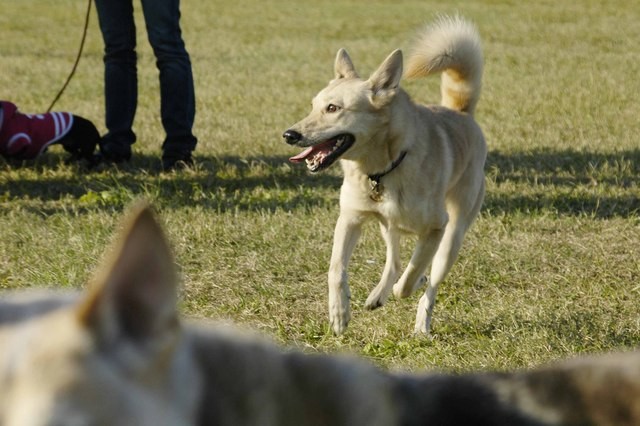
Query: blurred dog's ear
{"type": "Point", "coordinates": [133, 296]}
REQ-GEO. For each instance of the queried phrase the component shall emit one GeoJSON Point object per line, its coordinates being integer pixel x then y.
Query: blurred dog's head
{"type": "Point", "coordinates": [116, 356]}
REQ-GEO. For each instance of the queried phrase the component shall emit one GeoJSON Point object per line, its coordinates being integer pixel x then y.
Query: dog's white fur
{"type": "Point", "coordinates": [437, 189]}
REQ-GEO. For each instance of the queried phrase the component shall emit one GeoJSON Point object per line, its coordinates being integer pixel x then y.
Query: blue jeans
{"type": "Point", "coordinates": [177, 98]}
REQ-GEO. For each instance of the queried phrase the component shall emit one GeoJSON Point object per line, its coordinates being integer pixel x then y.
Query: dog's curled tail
{"type": "Point", "coordinates": [450, 46]}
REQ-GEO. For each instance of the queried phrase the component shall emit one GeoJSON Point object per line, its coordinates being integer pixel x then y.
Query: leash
{"type": "Point", "coordinates": [75, 65]}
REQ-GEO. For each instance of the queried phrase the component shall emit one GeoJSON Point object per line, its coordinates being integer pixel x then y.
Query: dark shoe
{"type": "Point", "coordinates": [176, 161]}
{"type": "Point", "coordinates": [115, 152]}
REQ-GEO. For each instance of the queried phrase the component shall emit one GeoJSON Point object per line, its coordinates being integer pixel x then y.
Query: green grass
{"type": "Point", "coordinates": [549, 270]}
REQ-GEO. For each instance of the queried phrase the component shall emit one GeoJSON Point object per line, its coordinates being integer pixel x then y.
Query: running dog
{"type": "Point", "coordinates": [26, 136]}
{"type": "Point", "coordinates": [414, 168]}
{"type": "Point", "coordinates": [119, 354]}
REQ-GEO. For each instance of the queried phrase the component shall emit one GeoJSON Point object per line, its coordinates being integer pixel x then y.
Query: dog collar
{"type": "Point", "coordinates": [374, 180]}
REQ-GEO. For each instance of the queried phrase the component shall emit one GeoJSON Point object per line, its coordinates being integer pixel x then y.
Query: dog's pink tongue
{"type": "Point", "coordinates": [301, 157]}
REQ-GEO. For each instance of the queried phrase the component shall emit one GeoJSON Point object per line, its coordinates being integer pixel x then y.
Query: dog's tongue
{"type": "Point", "coordinates": [302, 156]}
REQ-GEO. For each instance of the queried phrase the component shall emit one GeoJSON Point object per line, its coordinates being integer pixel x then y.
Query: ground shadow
{"type": "Point", "coordinates": [221, 183]}
{"type": "Point", "coordinates": [218, 183]}
{"type": "Point", "coordinates": [567, 182]}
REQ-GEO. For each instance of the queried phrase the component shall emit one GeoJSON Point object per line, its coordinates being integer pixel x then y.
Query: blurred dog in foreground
{"type": "Point", "coordinates": [120, 355]}
{"type": "Point", "coordinates": [415, 168]}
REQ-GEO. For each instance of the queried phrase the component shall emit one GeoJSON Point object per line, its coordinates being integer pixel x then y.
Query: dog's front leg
{"type": "Point", "coordinates": [346, 236]}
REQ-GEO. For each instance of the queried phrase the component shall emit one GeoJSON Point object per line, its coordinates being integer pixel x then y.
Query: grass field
{"type": "Point", "coordinates": [549, 270]}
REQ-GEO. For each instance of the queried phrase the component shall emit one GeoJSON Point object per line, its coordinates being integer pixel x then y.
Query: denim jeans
{"type": "Point", "coordinates": [177, 98]}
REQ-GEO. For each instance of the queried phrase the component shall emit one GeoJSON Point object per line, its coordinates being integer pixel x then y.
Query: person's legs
{"type": "Point", "coordinates": [120, 76]}
{"type": "Point", "coordinates": [177, 96]}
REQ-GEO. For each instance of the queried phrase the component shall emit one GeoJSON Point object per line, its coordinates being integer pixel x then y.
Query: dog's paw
{"type": "Point", "coordinates": [402, 289]}
{"type": "Point", "coordinates": [339, 316]}
{"type": "Point", "coordinates": [423, 323]}
{"type": "Point", "coordinates": [422, 331]}
{"type": "Point", "coordinates": [375, 300]}
{"type": "Point", "coordinates": [423, 317]}
{"type": "Point", "coordinates": [398, 291]}
{"type": "Point", "coordinates": [338, 323]}
{"type": "Point", "coordinates": [373, 304]}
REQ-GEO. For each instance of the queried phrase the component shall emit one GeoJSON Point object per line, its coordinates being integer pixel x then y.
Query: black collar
{"type": "Point", "coordinates": [374, 180]}
{"type": "Point", "coordinates": [376, 177]}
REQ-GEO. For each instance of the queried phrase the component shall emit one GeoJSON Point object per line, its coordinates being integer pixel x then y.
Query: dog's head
{"type": "Point", "coordinates": [346, 114]}
{"type": "Point", "coordinates": [116, 356]}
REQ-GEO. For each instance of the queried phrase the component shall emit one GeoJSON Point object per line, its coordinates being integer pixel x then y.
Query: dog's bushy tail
{"type": "Point", "coordinates": [450, 46]}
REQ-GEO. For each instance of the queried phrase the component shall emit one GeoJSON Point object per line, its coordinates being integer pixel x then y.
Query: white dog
{"type": "Point", "coordinates": [414, 168]}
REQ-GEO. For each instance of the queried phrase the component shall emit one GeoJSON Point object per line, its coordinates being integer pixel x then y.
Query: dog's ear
{"type": "Point", "coordinates": [385, 81]}
{"type": "Point", "coordinates": [343, 67]}
{"type": "Point", "coordinates": [133, 296]}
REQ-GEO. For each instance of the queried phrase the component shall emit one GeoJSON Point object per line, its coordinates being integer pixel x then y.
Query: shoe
{"type": "Point", "coordinates": [176, 161]}
{"type": "Point", "coordinates": [115, 152]}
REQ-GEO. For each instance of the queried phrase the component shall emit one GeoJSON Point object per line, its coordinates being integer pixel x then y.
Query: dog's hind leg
{"type": "Point", "coordinates": [347, 233]}
{"type": "Point", "coordinates": [381, 292]}
{"type": "Point", "coordinates": [442, 263]}
{"type": "Point", "coordinates": [412, 278]}
{"type": "Point", "coordinates": [444, 259]}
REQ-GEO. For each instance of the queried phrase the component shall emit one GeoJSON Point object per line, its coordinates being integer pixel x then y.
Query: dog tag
{"type": "Point", "coordinates": [376, 190]}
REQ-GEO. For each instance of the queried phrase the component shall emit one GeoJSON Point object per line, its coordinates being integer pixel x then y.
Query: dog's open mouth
{"type": "Point", "coordinates": [324, 154]}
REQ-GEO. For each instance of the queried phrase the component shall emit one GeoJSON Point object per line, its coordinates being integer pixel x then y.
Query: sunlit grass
{"type": "Point", "coordinates": [550, 269]}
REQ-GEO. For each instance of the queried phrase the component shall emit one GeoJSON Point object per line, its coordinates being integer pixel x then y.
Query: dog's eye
{"type": "Point", "coordinates": [332, 108]}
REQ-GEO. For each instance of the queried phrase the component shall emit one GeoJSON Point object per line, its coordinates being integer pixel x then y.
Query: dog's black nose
{"type": "Point", "coordinates": [292, 137]}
